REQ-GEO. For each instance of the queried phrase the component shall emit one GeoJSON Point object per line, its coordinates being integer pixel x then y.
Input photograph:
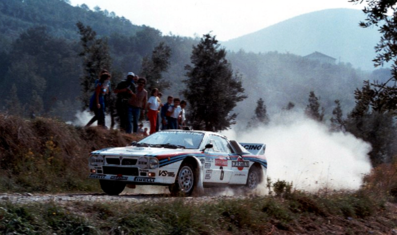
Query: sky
{"type": "Point", "coordinates": [225, 19]}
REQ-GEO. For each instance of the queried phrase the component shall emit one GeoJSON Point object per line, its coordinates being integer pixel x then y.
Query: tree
{"type": "Point", "coordinates": [261, 112]}
{"type": "Point", "coordinates": [95, 54]}
{"type": "Point", "coordinates": [382, 96]}
{"type": "Point", "coordinates": [379, 130]}
{"type": "Point", "coordinates": [337, 122]}
{"type": "Point", "coordinates": [153, 67]}
{"type": "Point", "coordinates": [289, 106]}
{"type": "Point", "coordinates": [313, 109]}
{"type": "Point", "coordinates": [260, 116]}
{"type": "Point", "coordinates": [13, 105]}
{"type": "Point", "coordinates": [212, 89]}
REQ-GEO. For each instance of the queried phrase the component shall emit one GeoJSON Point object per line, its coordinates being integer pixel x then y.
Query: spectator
{"type": "Point", "coordinates": [163, 113]}
{"type": "Point", "coordinates": [158, 113]}
{"type": "Point", "coordinates": [137, 104]}
{"type": "Point", "coordinates": [142, 131]}
{"type": "Point", "coordinates": [97, 101]}
{"type": "Point", "coordinates": [94, 118]}
{"type": "Point", "coordinates": [173, 114]}
{"type": "Point", "coordinates": [153, 107]}
{"type": "Point", "coordinates": [125, 90]}
{"type": "Point", "coordinates": [182, 116]}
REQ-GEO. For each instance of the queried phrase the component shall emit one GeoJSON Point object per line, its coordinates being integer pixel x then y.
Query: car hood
{"type": "Point", "coordinates": [141, 151]}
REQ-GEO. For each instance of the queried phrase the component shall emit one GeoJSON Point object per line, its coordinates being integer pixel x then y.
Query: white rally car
{"type": "Point", "coordinates": [183, 160]}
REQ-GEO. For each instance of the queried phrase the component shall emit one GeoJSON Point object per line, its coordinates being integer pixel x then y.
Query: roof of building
{"type": "Point", "coordinates": [318, 54]}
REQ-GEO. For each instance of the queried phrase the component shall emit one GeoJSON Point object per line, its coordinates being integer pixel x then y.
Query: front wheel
{"type": "Point", "coordinates": [112, 187]}
{"type": "Point", "coordinates": [254, 178]}
{"type": "Point", "coordinates": [185, 181]}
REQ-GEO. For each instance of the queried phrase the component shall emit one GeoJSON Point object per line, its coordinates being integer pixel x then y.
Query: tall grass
{"type": "Point", "coordinates": [47, 155]}
{"type": "Point", "coordinates": [253, 215]}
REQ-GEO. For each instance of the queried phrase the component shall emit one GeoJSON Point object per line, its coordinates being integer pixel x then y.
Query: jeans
{"type": "Point", "coordinates": [172, 123]}
{"type": "Point", "coordinates": [133, 116]}
{"type": "Point", "coordinates": [100, 115]}
{"type": "Point", "coordinates": [123, 113]}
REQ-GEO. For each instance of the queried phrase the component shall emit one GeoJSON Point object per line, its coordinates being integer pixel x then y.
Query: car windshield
{"type": "Point", "coordinates": [173, 139]}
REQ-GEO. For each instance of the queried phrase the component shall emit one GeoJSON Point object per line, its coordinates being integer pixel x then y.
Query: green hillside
{"type": "Point", "coordinates": [40, 68]}
{"type": "Point", "coordinates": [59, 17]}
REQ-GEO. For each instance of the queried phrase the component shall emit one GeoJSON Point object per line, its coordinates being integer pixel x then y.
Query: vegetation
{"type": "Point", "coordinates": [212, 89]}
{"type": "Point", "coordinates": [382, 95]}
{"type": "Point", "coordinates": [295, 212]}
{"type": "Point", "coordinates": [46, 155]}
{"type": "Point", "coordinates": [313, 109]}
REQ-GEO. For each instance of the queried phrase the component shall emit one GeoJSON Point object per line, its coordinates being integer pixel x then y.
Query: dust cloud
{"type": "Point", "coordinates": [304, 152]}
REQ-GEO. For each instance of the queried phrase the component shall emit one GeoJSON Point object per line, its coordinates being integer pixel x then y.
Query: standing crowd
{"type": "Point", "coordinates": [132, 103]}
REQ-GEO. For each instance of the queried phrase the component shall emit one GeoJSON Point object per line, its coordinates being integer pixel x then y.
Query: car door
{"type": "Point", "coordinates": [217, 168]}
{"type": "Point", "coordinates": [239, 165]}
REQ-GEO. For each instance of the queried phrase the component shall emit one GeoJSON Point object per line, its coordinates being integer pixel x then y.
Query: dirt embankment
{"type": "Point", "coordinates": [46, 155]}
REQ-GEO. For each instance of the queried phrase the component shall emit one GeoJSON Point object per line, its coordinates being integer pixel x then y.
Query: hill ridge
{"type": "Point", "coordinates": [334, 32]}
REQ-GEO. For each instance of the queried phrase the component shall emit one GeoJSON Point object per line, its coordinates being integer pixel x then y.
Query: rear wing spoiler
{"type": "Point", "coordinates": [254, 148]}
{"type": "Point", "coordinates": [248, 148]}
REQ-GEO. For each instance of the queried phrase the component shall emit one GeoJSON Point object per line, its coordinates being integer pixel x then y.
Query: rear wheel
{"type": "Point", "coordinates": [112, 187]}
{"type": "Point", "coordinates": [185, 181]}
{"type": "Point", "coordinates": [254, 178]}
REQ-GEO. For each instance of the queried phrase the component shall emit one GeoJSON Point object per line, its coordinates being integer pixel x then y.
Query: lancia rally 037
{"type": "Point", "coordinates": [182, 160]}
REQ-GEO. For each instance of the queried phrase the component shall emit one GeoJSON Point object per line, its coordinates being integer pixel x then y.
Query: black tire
{"type": "Point", "coordinates": [254, 178]}
{"type": "Point", "coordinates": [112, 187]}
{"type": "Point", "coordinates": [184, 182]}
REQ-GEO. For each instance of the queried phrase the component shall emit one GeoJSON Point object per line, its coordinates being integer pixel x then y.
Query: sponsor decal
{"type": "Point", "coordinates": [202, 161]}
{"type": "Point", "coordinates": [239, 174]}
{"type": "Point", "coordinates": [95, 176]}
{"type": "Point", "coordinates": [208, 171]}
{"type": "Point", "coordinates": [209, 159]}
{"type": "Point", "coordinates": [118, 177]}
{"type": "Point", "coordinates": [240, 164]}
{"type": "Point", "coordinates": [167, 173]}
{"type": "Point", "coordinates": [252, 146]}
{"type": "Point", "coordinates": [207, 165]}
{"type": "Point", "coordinates": [207, 176]}
{"type": "Point", "coordinates": [144, 180]}
{"type": "Point", "coordinates": [222, 174]}
{"type": "Point", "coordinates": [220, 162]}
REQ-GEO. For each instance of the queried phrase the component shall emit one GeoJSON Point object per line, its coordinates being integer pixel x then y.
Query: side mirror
{"type": "Point", "coordinates": [133, 143]}
{"type": "Point", "coordinates": [208, 146]}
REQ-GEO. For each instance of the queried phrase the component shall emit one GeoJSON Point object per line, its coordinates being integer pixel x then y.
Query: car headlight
{"type": "Point", "coordinates": [93, 161]}
{"type": "Point", "coordinates": [153, 163]}
{"type": "Point", "coordinates": [96, 160]}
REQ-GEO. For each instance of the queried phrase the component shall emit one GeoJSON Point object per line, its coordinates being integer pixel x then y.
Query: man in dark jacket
{"type": "Point", "coordinates": [125, 90]}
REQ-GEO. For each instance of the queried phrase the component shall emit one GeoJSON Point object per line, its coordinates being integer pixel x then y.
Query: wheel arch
{"type": "Point", "coordinates": [198, 172]}
{"type": "Point", "coordinates": [262, 170]}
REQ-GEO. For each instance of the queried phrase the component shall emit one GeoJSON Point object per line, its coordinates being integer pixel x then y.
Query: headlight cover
{"type": "Point", "coordinates": [153, 163]}
{"type": "Point", "coordinates": [96, 160]}
{"type": "Point", "coordinates": [93, 161]}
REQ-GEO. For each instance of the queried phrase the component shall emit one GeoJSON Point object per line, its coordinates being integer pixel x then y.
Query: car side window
{"type": "Point", "coordinates": [219, 144]}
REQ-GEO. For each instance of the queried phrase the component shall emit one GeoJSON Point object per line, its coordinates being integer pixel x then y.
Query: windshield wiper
{"type": "Point", "coordinates": [143, 145]}
{"type": "Point", "coordinates": [168, 145]}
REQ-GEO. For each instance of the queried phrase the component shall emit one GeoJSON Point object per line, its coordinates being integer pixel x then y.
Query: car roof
{"type": "Point", "coordinates": [196, 131]}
